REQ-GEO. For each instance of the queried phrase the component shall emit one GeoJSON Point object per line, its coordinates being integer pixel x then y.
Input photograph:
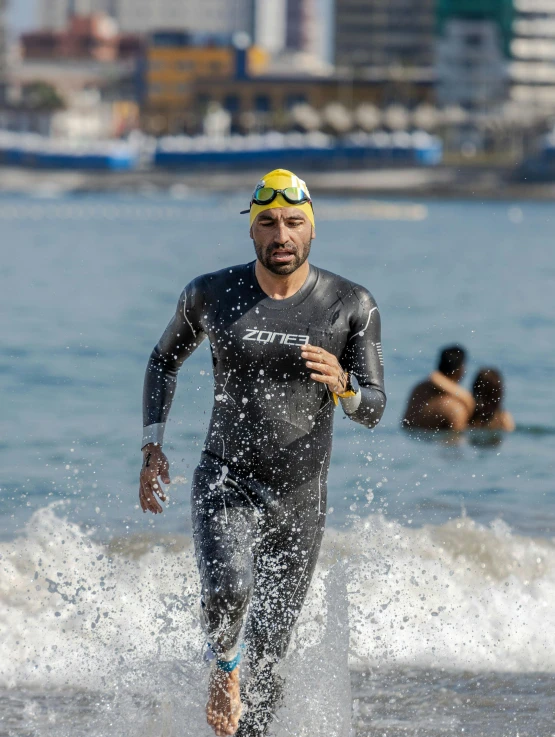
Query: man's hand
{"type": "Point", "coordinates": [331, 373]}
{"type": "Point", "coordinates": [155, 464]}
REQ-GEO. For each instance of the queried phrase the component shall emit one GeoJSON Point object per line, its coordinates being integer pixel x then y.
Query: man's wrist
{"type": "Point", "coordinates": [351, 403]}
{"type": "Point", "coordinates": [348, 390]}
{"type": "Point", "coordinates": [153, 434]}
{"type": "Point", "coordinates": [149, 447]}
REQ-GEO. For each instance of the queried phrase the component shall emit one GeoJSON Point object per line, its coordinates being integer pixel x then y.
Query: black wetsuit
{"type": "Point", "coordinates": [259, 492]}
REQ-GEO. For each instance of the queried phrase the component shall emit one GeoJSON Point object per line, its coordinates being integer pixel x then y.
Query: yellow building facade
{"type": "Point", "coordinates": [181, 81]}
{"type": "Point", "coordinates": [172, 72]}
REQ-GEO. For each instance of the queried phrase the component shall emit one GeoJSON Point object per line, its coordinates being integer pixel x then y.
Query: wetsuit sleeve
{"type": "Point", "coordinates": [363, 358]}
{"type": "Point", "coordinates": [183, 334]}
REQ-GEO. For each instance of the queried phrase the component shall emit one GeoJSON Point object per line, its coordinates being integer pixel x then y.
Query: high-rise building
{"type": "Point", "coordinates": [492, 51]}
{"type": "Point", "coordinates": [54, 15]}
{"type": "Point", "coordinates": [303, 26]}
{"type": "Point", "coordinates": [270, 24]}
{"type": "Point", "coordinates": [293, 25]}
{"type": "Point", "coordinates": [143, 16]}
{"type": "Point", "coordinates": [3, 50]}
{"type": "Point", "coordinates": [532, 53]}
{"type": "Point", "coordinates": [472, 52]}
{"type": "Point", "coordinates": [384, 33]}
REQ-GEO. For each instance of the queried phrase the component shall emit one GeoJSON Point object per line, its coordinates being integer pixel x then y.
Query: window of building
{"type": "Point", "coordinates": [203, 101]}
{"type": "Point", "coordinates": [295, 99]}
{"type": "Point", "coordinates": [262, 104]}
{"type": "Point", "coordinates": [474, 40]}
{"type": "Point", "coordinates": [231, 103]}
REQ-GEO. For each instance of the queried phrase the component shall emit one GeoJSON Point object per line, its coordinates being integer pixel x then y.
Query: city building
{"type": "Point", "coordinates": [77, 82]}
{"type": "Point", "coordinates": [184, 79]}
{"type": "Point", "coordinates": [270, 25]}
{"type": "Point", "coordinates": [298, 26]}
{"type": "Point", "coordinates": [86, 37]}
{"type": "Point", "coordinates": [145, 16]}
{"type": "Point", "coordinates": [3, 51]}
{"type": "Point", "coordinates": [269, 100]}
{"type": "Point", "coordinates": [472, 53]}
{"type": "Point", "coordinates": [494, 51]}
{"type": "Point", "coordinates": [176, 60]}
{"type": "Point", "coordinates": [384, 33]}
{"type": "Point", "coordinates": [304, 28]}
{"type": "Point", "coordinates": [532, 54]}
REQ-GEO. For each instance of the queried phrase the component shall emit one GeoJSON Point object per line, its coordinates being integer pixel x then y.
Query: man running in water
{"type": "Point", "coordinates": [288, 341]}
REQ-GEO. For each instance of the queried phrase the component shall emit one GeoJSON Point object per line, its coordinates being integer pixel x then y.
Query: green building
{"type": "Point", "coordinates": [490, 52]}
{"type": "Point", "coordinates": [500, 12]}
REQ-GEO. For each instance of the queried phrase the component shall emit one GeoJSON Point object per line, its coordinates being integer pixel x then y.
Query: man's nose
{"type": "Point", "coordinates": [282, 234]}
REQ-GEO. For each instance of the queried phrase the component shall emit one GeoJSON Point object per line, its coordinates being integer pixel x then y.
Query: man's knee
{"type": "Point", "coordinates": [224, 603]}
{"type": "Point", "coordinates": [224, 599]}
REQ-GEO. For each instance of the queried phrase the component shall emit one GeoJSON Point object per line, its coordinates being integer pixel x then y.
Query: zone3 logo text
{"type": "Point", "coordinates": [267, 336]}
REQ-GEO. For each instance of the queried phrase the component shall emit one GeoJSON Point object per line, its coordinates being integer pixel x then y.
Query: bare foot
{"type": "Point", "coordinates": [223, 710]}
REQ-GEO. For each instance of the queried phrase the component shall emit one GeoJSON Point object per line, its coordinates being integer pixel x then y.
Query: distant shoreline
{"type": "Point", "coordinates": [442, 182]}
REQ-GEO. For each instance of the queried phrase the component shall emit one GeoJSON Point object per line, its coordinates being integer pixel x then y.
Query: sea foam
{"type": "Point", "coordinates": [78, 612]}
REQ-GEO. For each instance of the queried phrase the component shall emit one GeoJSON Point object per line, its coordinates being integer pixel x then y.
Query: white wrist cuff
{"type": "Point", "coordinates": [351, 404]}
{"type": "Point", "coordinates": [153, 434]}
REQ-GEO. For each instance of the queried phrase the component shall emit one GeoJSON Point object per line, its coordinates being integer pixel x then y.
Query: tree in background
{"type": "Point", "coordinates": [42, 96]}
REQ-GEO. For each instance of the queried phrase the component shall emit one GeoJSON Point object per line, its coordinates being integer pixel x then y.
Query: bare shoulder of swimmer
{"type": "Point", "coordinates": [453, 412]}
{"type": "Point", "coordinates": [507, 421]}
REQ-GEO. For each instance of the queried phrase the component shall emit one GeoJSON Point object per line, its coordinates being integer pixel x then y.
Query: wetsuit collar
{"type": "Point", "coordinates": [295, 299]}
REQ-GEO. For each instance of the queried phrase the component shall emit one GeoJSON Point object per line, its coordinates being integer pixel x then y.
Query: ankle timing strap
{"type": "Point", "coordinates": [226, 665]}
{"type": "Point", "coordinates": [229, 665]}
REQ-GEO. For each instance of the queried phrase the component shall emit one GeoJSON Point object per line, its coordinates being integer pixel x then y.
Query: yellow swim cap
{"type": "Point", "coordinates": [282, 179]}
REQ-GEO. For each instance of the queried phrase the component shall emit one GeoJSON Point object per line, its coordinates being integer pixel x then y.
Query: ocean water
{"type": "Point", "coordinates": [432, 610]}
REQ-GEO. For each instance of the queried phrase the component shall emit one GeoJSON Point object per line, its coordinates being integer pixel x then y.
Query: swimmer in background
{"type": "Point", "coordinates": [488, 392]}
{"type": "Point", "coordinates": [439, 402]}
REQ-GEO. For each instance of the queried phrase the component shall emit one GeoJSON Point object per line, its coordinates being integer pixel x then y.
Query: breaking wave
{"type": "Point", "coordinates": [458, 596]}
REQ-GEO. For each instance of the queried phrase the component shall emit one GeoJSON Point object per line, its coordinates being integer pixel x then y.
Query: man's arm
{"type": "Point", "coordinates": [363, 358]}
{"type": "Point", "coordinates": [183, 334]}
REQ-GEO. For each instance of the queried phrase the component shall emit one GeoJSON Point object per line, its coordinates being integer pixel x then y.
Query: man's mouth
{"type": "Point", "coordinates": [283, 255]}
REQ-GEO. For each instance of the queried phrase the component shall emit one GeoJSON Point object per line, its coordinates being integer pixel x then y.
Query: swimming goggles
{"type": "Point", "coordinates": [292, 195]}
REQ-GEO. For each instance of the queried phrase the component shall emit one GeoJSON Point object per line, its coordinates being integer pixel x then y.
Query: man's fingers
{"type": "Point", "coordinates": [165, 472]}
{"type": "Point", "coordinates": [158, 489]}
{"type": "Point", "coordinates": [330, 380]}
{"type": "Point", "coordinates": [155, 465]}
{"type": "Point", "coordinates": [141, 502]}
{"type": "Point", "coordinates": [322, 367]}
{"type": "Point", "coordinates": [150, 476]}
{"type": "Point", "coordinates": [331, 373]}
{"type": "Point", "coordinates": [147, 494]}
{"type": "Point", "coordinates": [319, 355]}
{"type": "Point", "coordinates": [149, 500]}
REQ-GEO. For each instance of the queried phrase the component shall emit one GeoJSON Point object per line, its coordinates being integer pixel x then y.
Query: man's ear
{"type": "Point", "coordinates": [313, 233]}
{"type": "Point", "coordinates": [250, 233]}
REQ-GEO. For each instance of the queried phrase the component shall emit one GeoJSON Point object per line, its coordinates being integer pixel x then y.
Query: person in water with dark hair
{"type": "Point", "coordinates": [488, 391]}
{"type": "Point", "coordinates": [439, 402]}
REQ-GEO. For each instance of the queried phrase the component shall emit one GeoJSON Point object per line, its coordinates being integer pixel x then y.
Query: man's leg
{"type": "Point", "coordinates": [285, 563]}
{"type": "Point", "coordinates": [224, 533]}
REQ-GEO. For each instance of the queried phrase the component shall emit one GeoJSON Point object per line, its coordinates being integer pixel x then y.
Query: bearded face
{"type": "Point", "coordinates": [282, 238]}
{"type": "Point", "coordinates": [282, 259]}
